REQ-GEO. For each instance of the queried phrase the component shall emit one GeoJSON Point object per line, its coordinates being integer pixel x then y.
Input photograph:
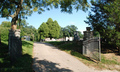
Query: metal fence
{"type": "Point", "coordinates": [91, 48]}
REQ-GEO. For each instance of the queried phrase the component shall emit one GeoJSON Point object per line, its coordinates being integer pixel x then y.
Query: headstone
{"type": "Point", "coordinates": [15, 45]}
{"type": "Point", "coordinates": [76, 36]}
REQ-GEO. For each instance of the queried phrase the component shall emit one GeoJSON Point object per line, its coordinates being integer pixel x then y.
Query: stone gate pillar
{"type": "Point", "coordinates": [15, 45]}
{"type": "Point", "coordinates": [87, 34]}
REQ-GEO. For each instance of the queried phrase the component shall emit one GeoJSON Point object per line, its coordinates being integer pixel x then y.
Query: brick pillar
{"type": "Point", "coordinates": [15, 45]}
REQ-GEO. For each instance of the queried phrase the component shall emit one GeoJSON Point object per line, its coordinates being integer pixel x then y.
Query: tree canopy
{"type": "Point", "coordinates": [68, 31]}
{"type": "Point", "coordinates": [103, 19]}
{"type": "Point", "coordinates": [49, 29]}
{"type": "Point", "coordinates": [24, 8]}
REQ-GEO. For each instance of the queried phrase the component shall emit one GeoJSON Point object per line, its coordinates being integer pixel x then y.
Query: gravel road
{"type": "Point", "coordinates": [48, 58]}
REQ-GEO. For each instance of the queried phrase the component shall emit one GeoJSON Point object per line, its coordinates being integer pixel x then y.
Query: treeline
{"type": "Point", "coordinates": [52, 29]}
{"type": "Point", "coordinates": [5, 26]}
{"type": "Point", "coordinates": [49, 29]}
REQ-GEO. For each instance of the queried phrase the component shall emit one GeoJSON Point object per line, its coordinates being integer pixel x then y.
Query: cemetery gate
{"type": "Point", "coordinates": [92, 49]}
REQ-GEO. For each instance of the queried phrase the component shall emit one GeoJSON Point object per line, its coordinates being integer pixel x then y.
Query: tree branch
{"type": "Point", "coordinates": [19, 7]}
{"type": "Point", "coordinates": [14, 2]}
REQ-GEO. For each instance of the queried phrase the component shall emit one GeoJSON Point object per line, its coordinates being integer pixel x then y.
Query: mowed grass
{"type": "Point", "coordinates": [23, 64]}
{"type": "Point", "coordinates": [75, 49]}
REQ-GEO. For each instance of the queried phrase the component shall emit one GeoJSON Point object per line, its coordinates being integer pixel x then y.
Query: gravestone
{"type": "Point", "coordinates": [76, 36]}
{"type": "Point", "coordinates": [15, 45]}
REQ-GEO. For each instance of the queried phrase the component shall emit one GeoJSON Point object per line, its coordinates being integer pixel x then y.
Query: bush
{"type": "Point", "coordinates": [4, 33]}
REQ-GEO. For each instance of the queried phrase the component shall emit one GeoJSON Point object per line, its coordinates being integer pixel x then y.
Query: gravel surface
{"type": "Point", "coordinates": [48, 58]}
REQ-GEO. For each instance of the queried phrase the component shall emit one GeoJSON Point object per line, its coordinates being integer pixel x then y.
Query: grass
{"type": "Point", "coordinates": [23, 64]}
{"type": "Point", "coordinates": [75, 49]}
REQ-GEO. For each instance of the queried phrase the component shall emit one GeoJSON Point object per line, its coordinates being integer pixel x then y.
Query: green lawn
{"type": "Point", "coordinates": [23, 64]}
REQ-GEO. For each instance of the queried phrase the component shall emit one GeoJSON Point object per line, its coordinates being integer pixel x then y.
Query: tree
{"type": "Point", "coordinates": [61, 32]}
{"type": "Point", "coordinates": [6, 24]}
{"type": "Point", "coordinates": [43, 30]}
{"type": "Point", "coordinates": [113, 8]}
{"type": "Point", "coordinates": [24, 8]}
{"type": "Point", "coordinates": [4, 30]}
{"type": "Point", "coordinates": [54, 28]}
{"type": "Point", "coordinates": [66, 32]}
{"type": "Point", "coordinates": [80, 34]}
{"type": "Point", "coordinates": [104, 21]}
{"type": "Point", "coordinates": [71, 29]}
{"type": "Point", "coordinates": [98, 19]}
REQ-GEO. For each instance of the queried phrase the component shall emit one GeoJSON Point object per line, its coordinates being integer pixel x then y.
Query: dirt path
{"type": "Point", "coordinates": [48, 58]}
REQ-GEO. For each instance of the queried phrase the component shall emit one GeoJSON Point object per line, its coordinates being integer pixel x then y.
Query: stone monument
{"type": "Point", "coordinates": [76, 36]}
{"type": "Point", "coordinates": [15, 45]}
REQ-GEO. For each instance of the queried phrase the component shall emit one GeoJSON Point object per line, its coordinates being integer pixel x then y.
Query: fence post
{"type": "Point", "coordinates": [99, 48]}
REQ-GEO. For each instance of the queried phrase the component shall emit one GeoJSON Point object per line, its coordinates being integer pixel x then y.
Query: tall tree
{"type": "Point", "coordinates": [61, 32]}
{"type": "Point", "coordinates": [54, 28]}
{"type": "Point", "coordinates": [66, 32]}
{"type": "Point", "coordinates": [43, 30]}
{"type": "Point", "coordinates": [71, 29]}
{"type": "Point", "coordinates": [104, 21]}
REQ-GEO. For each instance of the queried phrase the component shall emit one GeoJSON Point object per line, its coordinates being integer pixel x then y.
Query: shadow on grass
{"type": "Point", "coordinates": [4, 56]}
{"type": "Point", "coordinates": [22, 64]}
{"type": "Point", "coordinates": [47, 66]}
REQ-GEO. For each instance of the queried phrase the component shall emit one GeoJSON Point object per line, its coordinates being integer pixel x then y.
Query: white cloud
{"type": "Point", "coordinates": [72, 22]}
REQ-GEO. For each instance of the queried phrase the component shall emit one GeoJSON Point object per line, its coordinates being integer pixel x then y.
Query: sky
{"type": "Point", "coordinates": [63, 19]}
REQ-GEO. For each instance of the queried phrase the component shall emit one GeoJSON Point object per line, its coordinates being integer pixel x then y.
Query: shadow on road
{"type": "Point", "coordinates": [47, 66]}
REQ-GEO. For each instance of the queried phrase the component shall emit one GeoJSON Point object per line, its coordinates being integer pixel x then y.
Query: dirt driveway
{"type": "Point", "coordinates": [48, 58]}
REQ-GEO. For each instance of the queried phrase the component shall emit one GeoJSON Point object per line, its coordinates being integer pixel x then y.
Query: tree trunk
{"type": "Point", "coordinates": [13, 23]}
{"type": "Point", "coordinates": [119, 51]}
{"type": "Point", "coordinates": [0, 38]}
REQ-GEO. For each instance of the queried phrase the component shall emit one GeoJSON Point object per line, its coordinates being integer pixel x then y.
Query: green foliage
{"type": "Point", "coordinates": [68, 31]}
{"type": "Point", "coordinates": [6, 24]}
{"type": "Point", "coordinates": [8, 7]}
{"type": "Point", "coordinates": [43, 30]}
{"type": "Point", "coordinates": [80, 34]}
{"type": "Point", "coordinates": [71, 29]}
{"type": "Point", "coordinates": [49, 29]}
{"type": "Point", "coordinates": [61, 32]}
{"type": "Point", "coordinates": [113, 9]}
{"type": "Point", "coordinates": [99, 20]}
{"type": "Point", "coordinates": [54, 28]}
{"type": "Point", "coordinates": [4, 33]}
